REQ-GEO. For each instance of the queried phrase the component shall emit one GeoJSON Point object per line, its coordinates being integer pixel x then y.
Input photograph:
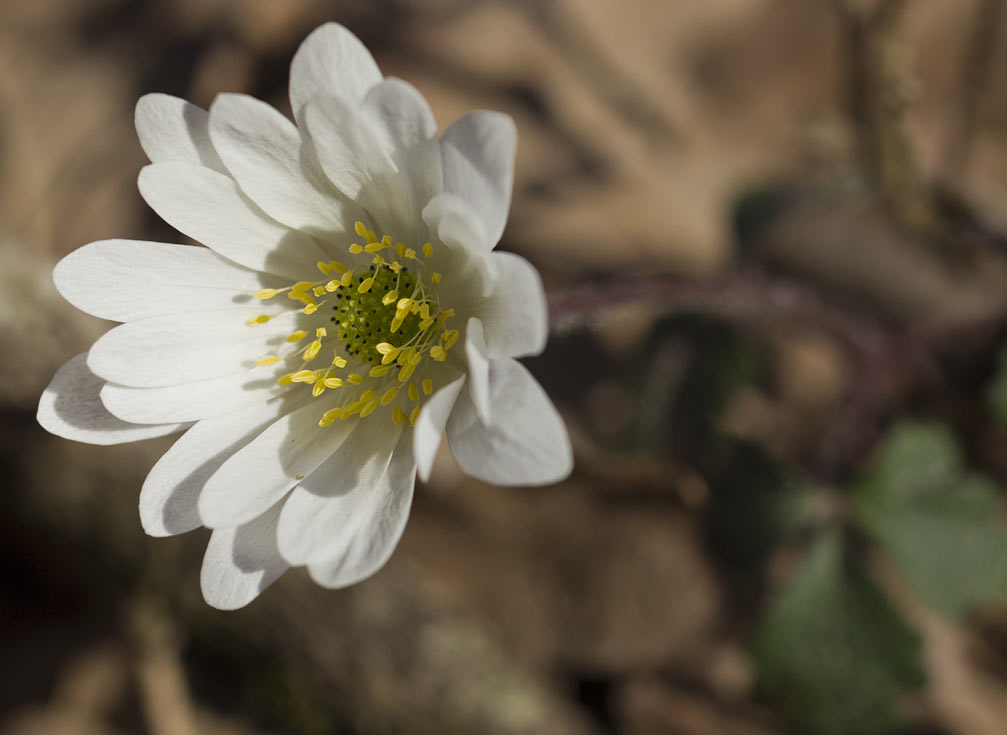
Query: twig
{"type": "Point", "coordinates": [879, 93]}
{"type": "Point", "coordinates": [883, 363]}
{"type": "Point", "coordinates": [746, 298]}
{"type": "Point", "coordinates": [990, 21]}
{"type": "Point", "coordinates": [877, 387]}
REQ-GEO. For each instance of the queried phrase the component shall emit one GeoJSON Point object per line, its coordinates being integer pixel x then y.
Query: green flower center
{"type": "Point", "coordinates": [388, 322]}
{"type": "Point", "coordinates": [364, 320]}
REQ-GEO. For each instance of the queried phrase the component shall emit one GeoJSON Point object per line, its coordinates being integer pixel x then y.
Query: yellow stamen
{"type": "Point", "coordinates": [399, 416]}
{"type": "Point", "coordinates": [428, 386]}
{"type": "Point", "coordinates": [428, 249]}
{"type": "Point", "coordinates": [297, 336]}
{"type": "Point", "coordinates": [313, 349]}
{"type": "Point", "coordinates": [389, 395]}
{"type": "Point", "coordinates": [331, 415]}
{"type": "Point", "coordinates": [266, 293]}
{"type": "Point", "coordinates": [267, 360]}
{"type": "Point", "coordinates": [386, 348]}
{"type": "Point", "coordinates": [261, 319]}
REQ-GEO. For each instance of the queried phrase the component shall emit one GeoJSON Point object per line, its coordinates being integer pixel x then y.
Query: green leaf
{"type": "Point", "coordinates": [938, 524]}
{"type": "Point", "coordinates": [916, 459]}
{"type": "Point", "coordinates": [996, 394]}
{"type": "Point", "coordinates": [832, 651]}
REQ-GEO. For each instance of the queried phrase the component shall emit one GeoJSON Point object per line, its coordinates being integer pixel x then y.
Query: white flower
{"type": "Point", "coordinates": [347, 310]}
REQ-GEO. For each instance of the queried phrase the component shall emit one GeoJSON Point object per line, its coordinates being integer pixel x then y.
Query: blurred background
{"type": "Point", "coordinates": [774, 233]}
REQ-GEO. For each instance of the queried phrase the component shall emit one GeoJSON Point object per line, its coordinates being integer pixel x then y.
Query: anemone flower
{"type": "Point", "coordinates": [346, 311]}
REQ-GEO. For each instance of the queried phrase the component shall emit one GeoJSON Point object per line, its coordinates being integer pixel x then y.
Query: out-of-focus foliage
{"type": "Point", "coordinates": [831, 648]}
{"type": "Point", "coordinates": [938, 522]}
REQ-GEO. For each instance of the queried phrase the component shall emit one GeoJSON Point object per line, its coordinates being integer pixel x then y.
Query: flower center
{"type": "Point", "coordinates": [364, 320]}
{"type": "Point", "coordinates": [389, 321]}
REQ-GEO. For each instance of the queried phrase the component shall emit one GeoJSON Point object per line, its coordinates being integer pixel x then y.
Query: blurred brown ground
{"type": "Point", "coordinates": [588, 606]}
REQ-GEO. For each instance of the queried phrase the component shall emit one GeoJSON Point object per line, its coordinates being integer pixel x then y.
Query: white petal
{"type": "Point", "coordinates": [70, 407]}
{"type": "Point", "coordinates": [190, 401]}
{"type": "Point", "coordinates": [526, 444]}
{"type": "Point", "coordinates": [357, 531]}
{"type": "Point", "coordinates": [274, 165]}
{"type": "Point", "coordinates": [125, 280]}
{"type": "Point", "coordinates": [338, 500]}
{"type": "Point", "coordinates": [401, 112]}
{"type": "Point", "coordinates": [184, 348]}
{"type": "Point", "coordinates": [456, 224]}
{"type": "Point", "coordinates": [331, 61]}
{"type": "Point", "coordinates": [171, 129]}
{"type": "Point", "coordinates": [168, 499]}
{"type": "Point", "coordinates": [209, 207]}
{"type": "Point", "coordinates": [479, 368]}
{"type": "Point", "coordinates": [478, 157]}
{"type": "Point", "coordinates": [514, 315]}
{"type": "Point", "coordinates": [241, 562]}
{"type": "Point", "coordinates": [357, 161]}
{"type": "Point", "coordinates": [430, 425]}
{"type": "Point", "coordinates": [378, 525]}
{"type": "Point", "coordinates": [265, 470]}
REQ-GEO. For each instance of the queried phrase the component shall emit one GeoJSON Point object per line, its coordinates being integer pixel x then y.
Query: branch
{"type": "Point", "coordinates": [745, 298]}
